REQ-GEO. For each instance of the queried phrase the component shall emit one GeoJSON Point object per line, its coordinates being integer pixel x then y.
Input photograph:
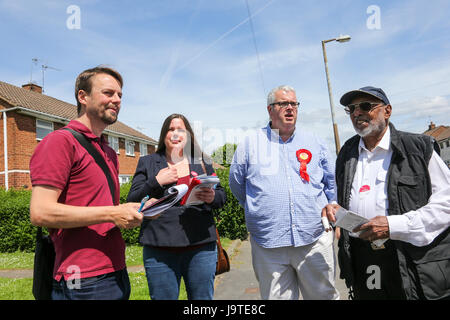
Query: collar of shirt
{"type": "Point", "coordinates": [78, 126]}
{"type": "Point", "coordinates": [275, 133]}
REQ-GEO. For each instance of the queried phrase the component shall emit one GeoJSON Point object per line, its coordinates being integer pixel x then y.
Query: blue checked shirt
{"type": "Point", "coordinates": [281, 209]}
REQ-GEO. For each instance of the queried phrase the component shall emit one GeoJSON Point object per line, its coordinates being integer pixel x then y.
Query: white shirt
{"type": "Point", "coordinates": [369, 195]}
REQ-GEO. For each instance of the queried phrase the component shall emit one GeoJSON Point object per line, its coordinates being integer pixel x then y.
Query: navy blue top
{"type": "Point", "coordinates": [178, 226]}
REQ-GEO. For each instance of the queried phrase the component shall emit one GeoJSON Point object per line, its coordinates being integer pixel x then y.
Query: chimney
{"type": "Point", "coordinates": [32, 87]}
{"type": "Point", "coordinates": [431, 126]}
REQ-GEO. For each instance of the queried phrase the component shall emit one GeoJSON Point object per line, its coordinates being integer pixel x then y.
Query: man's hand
{"type": "Point", "coordinates": [376, 228]}
{"type": "Point", "coordinates": [126, 216]}
{"type": "Point", "coordinates": [329, 212]}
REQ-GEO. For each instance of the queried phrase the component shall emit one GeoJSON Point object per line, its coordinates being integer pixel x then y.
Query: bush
{"type": "Point", "coordinates": [16, 231]}
{"type": "Point", "coordinates": [231, 218]}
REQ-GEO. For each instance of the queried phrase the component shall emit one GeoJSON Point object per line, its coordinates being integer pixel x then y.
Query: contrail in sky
{"type": "Point", "coordinates": [222, 36]}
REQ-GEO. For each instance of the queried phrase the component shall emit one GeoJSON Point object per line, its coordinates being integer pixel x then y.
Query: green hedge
{"type": "Point", "coordinates": [230, 218]}
{"type": "Point", "coordinates": [17, 233]}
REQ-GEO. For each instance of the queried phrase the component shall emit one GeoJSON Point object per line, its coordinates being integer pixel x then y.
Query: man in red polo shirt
{"type": "Point", "coordinates": [71, 196]}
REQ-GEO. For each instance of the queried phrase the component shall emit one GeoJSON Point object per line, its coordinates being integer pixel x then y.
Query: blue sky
{"type": "Point", "coordinates": [198, 58]}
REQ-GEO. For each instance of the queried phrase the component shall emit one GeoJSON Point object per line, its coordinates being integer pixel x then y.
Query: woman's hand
{"type": "Point", "coordinates": [206, 195]}
{"type": "Point", "coordinates": [167, 176]}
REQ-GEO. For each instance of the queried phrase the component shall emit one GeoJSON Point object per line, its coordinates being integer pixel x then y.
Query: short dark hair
{"type": "Point", "coordinates": [195, 150]}
{"type": "Point", "coordinates": [84, 82]}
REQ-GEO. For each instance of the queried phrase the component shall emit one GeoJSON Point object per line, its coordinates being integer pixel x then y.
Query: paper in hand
{"type": "Point", "coordinates": [349, 220]}
{"type": "Point", "coordinates": [174, 195]}
{"type": "Point", "coordinates": [204, 182]}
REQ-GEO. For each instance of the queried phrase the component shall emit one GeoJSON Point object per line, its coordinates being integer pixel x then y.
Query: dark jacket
{"type": "Point", "coordinates": [424, 270]}
{"type": "Point", "coordinates": [178, 226]}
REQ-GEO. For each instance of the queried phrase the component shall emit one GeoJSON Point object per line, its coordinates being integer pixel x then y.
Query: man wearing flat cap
{"type": "Point", "coordinates": [398, 182]}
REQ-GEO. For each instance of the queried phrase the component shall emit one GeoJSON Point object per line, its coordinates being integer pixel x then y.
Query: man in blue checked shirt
{"type": "Point", "coordinates": [283, 177]}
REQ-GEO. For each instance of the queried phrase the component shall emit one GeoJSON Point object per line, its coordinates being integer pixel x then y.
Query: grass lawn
{"type": "Point", "coordinates": [20, 289]}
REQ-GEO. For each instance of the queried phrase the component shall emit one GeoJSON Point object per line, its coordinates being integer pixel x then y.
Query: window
{"type": "Point", "coordinates": [129, 146]}
{"type": "Point", "coordinates": [143, 149]}
{"type": "Point", "coordinates": [124, 179]}
{"type": "Point", "coordinates": [43, 128]}
{"type": "Point", "coordinates": [114, 143]}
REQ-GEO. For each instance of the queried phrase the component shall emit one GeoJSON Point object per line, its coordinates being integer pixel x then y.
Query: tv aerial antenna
{"type": "Point", "coordinates": [44, 68]}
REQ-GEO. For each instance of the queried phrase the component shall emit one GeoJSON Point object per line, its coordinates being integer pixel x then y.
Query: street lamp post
{"type": "Point", "coordinates": [335, 128]}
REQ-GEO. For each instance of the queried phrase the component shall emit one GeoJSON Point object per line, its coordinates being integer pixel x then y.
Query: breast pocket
{"type": "Point", "coordinates": [412, 192]}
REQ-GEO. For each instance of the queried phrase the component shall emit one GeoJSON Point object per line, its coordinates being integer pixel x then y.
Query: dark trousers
{"type": "Point", "coordinates": [109, 286]}
{"type": "Point", "coordinates": [376, 272]}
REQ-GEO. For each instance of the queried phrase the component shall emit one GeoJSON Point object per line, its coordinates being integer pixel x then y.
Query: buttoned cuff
{"type": "Point", "coordinates": [398, 226]}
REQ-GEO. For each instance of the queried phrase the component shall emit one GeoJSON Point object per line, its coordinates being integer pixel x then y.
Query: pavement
{"type": "Point", "coordinates": [240, 282]}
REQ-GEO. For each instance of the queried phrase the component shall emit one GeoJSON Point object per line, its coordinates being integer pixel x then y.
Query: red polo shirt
{"type": "Point", "coordinates": [61, 162]}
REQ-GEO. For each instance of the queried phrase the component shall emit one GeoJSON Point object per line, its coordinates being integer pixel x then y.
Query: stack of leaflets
{"type": "Point", "coordinates": [174, 195]}
{"type": "Point", "coordinates": [202, 181]}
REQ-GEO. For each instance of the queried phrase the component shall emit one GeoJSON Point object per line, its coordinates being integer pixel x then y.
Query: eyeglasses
{"type": "Point", "coordinates": [285, 104]}
{"type": "Point", "coordinates": [363, 106]}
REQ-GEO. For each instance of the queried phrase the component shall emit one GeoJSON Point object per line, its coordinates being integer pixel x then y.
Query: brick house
{"type": "Point", "coordinates": [27, 115]}
{"type": "Point", "coordinates": [442, 136]}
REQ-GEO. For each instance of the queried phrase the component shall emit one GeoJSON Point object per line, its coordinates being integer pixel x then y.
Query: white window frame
{"type": "Point", "coordinates": [113, 142]}
{"type": "Point", "coordinates": [124, 178]}
{"type": "Point", "coordinates": [143, 149]}
{"type": "Point", "coordinates": [127, 144]}
{"type": "Point", "coordinates": [44, 125]}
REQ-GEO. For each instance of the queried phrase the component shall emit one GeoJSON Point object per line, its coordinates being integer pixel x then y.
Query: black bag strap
{"type": "Point", "coordinates": [97, 157]}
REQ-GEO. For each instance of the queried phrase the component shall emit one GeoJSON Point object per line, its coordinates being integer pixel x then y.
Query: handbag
{"type": "Point", "coordinates": [44, 253]}
{"type": "Point", "coordinates": [223, 262]}
{"type": "Point", "coordinates": [44, 261]}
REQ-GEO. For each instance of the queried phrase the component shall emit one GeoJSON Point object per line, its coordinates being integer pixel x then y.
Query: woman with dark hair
{"type": "Point", "coordinates": [182, 241]}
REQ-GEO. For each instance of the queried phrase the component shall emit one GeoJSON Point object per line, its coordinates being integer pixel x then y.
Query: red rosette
{"type": "Point", "coordinates": [304, 157]}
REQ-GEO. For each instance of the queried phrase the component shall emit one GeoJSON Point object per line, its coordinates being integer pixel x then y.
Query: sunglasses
{"type": "Point", "coordinates": [363, 106]}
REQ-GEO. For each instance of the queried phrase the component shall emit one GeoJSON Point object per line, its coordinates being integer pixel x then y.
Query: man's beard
{"type": "Point", "coordinates": [108, 119]}
{"type": "Point", "coordinates": [105, 116]}
{"type": "Point", "coordinates": [376, 125]}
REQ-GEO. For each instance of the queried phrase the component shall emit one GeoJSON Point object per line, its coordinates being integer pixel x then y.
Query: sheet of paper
{"type": "Point", "coordinates": [174, 195]}
{"type": "Point", "coordinates": [207, 182]}
{"type": "Point", "coordinates": [349, 220]}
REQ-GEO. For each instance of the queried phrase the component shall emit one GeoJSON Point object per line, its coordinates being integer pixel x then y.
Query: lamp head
{"type": "Point", "coordinates": [343, 38]}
